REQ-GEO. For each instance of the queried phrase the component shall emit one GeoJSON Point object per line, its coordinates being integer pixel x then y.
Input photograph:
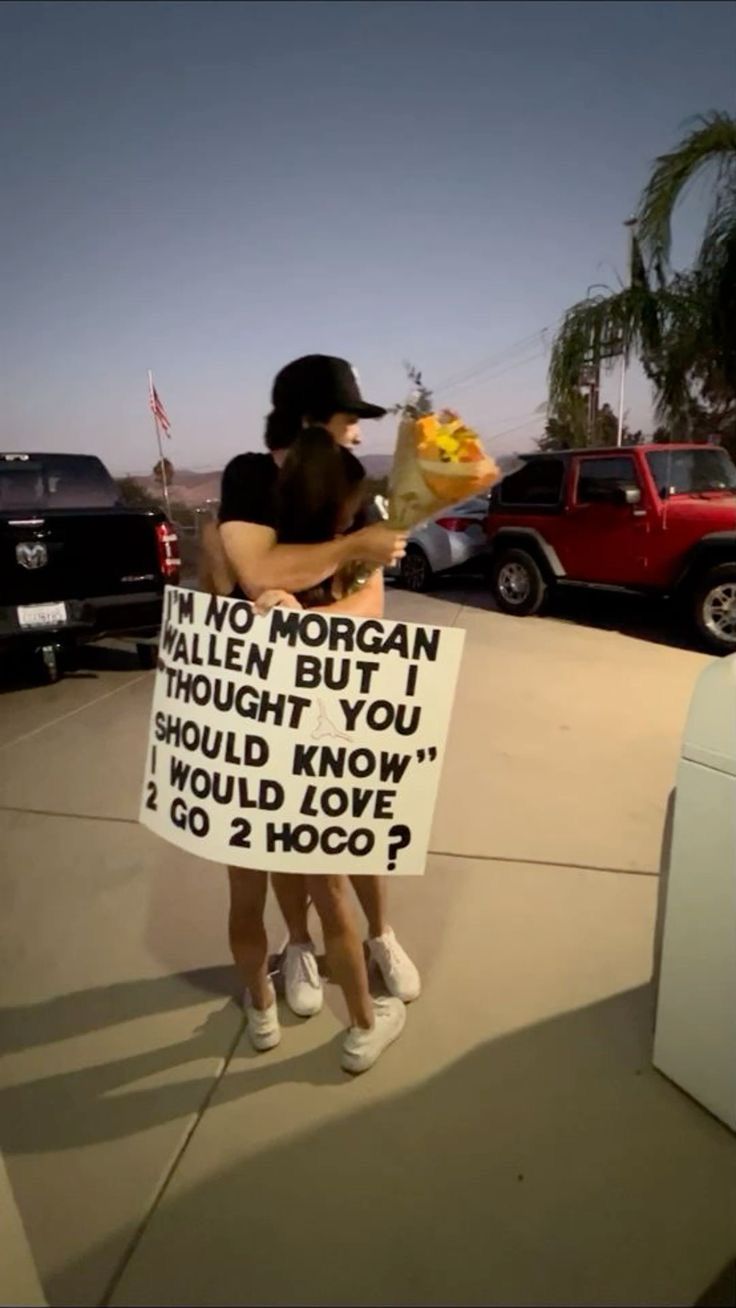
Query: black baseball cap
{"type": "Point", "coordinates": [320, 384]}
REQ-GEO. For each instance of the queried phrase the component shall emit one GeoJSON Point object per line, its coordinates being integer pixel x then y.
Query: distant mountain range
{"type": "Point", "coordinates": [195, 488]}
{"type": "Point", "coordinates": [190, 488]}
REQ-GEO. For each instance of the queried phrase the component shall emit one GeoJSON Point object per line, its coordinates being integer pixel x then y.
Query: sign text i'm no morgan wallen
{"type": "Point", "coordinates": [297, 742]}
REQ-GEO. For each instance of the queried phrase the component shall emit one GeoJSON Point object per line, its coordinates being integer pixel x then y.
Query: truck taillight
{"type": "Point", "coordinates": [456, 524]}
{"type": "Point", "coordinates": [169, 560]}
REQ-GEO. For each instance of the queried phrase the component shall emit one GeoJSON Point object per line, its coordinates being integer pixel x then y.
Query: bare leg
{"type": "Point", "coordinates": [293, 900]}
{"type": "Point", "coordinates": [342, 944]}
{"type": "Point", "coordinates": [248, 940]}
{"type": "Point", "coordinates": [371, 892]}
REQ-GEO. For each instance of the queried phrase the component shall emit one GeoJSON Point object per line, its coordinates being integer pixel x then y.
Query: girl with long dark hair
{"type": "Point", "coordinates": [290, 524]}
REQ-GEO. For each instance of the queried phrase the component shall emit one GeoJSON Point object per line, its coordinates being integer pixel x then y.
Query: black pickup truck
{"type": "Point", "coordinates": [75, 562]}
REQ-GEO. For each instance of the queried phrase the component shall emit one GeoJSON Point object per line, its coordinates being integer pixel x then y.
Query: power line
{"type": "Point", "coordinates": [527, 413]}
{"type": "Point", "coordinates": [508, 431]}
{"type": "Point", "coordinates": [492, 362]}
{"type": "Point", "coordinates": [499, 372]}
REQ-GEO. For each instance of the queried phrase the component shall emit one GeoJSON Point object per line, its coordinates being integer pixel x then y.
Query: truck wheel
{"type": "Point", "coordinates": [50, 663]}
{"type": "Point", "coordinates": [517, 584]}
{"type": "Point", "coordinates": [715, 608]}
{"type": "Point", "coordinates": [147, 656]}
{"type": "Point", "coordinates": [415, 571]}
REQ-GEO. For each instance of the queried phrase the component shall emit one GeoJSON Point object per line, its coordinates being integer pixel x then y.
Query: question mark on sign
{"type": "Point", "coordinates": [399, 837]}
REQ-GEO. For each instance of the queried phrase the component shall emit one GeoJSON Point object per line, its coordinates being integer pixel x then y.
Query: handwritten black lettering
{"type": "Point", "coordinates": [339, 761]}
{"type": "Point", "coordinates": [358, 801]}
{"type": "Point", "coordinates": [185, 600]}
{"type": "Point", "coordinates": [368, 637]}
{"type": "Point", "coordinates": [304, 839]}
{"type": "Point", "coordinates": [381, 714]}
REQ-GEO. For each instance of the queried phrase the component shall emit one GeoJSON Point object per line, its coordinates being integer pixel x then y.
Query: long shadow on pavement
{"type": "Point", "coordinates": [68, 1110]}
{"type": "Point", "coordinates": [551, 1165]}
{"type": "Point", "coordinates": [649, 619]}
{"type": "Point", "coordinates": [82, 1011]}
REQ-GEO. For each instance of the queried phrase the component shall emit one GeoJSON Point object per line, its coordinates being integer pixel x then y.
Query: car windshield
{"type": "Point", "coordinates": [58, 481]}
{"type": "Point", "coordinates": [687, 472]}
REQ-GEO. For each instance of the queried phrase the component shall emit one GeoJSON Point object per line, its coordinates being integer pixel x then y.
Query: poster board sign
{"type": "Point", "coordinates": [297, 742]}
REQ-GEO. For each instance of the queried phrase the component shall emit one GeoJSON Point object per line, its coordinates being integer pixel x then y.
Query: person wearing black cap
{"type": "Point", "coordinates": [315, 391]}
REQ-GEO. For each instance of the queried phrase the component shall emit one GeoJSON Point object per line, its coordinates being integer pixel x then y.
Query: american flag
{"type": "Point", "coordinates": [157, 408]}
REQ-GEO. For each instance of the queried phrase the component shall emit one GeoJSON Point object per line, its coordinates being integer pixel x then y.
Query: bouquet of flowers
{"type": "Point", "coordinates": [438, 461]}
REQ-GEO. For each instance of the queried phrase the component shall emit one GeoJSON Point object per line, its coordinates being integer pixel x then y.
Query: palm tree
{"type": "Point", "coordinates": [681, 325]}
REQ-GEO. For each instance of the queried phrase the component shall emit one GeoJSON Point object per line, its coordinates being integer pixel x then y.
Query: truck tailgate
{"type": "Point", "coordinates": [77, 555]}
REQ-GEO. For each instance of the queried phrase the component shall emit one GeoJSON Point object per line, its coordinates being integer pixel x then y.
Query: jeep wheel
{"type": "Point", "coordinates": [517, 584]}
{"type": "Point", "coordinates": [715, 608]}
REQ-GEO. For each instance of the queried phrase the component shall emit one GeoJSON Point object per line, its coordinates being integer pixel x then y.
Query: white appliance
{"type": "Point", "coordinates": [695, 1034]}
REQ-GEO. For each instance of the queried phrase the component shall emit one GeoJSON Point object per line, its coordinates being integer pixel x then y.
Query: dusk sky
{"type": "Point", "coordinates": [209, 190]}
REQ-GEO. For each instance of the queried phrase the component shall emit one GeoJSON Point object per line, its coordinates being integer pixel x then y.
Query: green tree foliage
{"type": "Point", "coordinates": [420, 399]}
{"type": "Point", "coordinates": [680, 324]}
{"type": "Point", "coordinates": [423, 398]}
{"type": "Point", "coordinates": [164, 466]}
{"type": "Point", "coordinates": [568, 427]}
{"type": "Point", "coordinates": [135, 495]}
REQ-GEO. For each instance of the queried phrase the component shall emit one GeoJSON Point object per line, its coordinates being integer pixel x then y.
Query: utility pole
{"type": "Point", "coordinates": [631, 224]}
{"type": "Point", "coordinates": [592, 382]}
{"type": "Point", "coordinates": [592, 379]}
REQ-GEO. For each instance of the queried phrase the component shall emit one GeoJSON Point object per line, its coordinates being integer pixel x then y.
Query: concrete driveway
{"type": "Point", "coordinates": [515, 1146]}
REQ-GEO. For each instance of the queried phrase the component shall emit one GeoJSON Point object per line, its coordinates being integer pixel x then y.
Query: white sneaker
{"type": "Point", "coordinates": [302, 981]}
{"type": "Point", "coordinates": [362, 1048]}
{"type": "Point", "coordinates": [264, 1030]}
{"type": "Point", "coordinates": [400, 975]}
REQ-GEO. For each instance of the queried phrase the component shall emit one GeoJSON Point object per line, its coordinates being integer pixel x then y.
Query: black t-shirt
{"type": "Point", "coordinates": [248, 494]}
{"type": "Point", "coordinates": [248, 491]}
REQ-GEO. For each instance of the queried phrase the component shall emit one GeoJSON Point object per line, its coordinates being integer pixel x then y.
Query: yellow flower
{"type": "Point", "coordinates": [449, 443]}
{"type": "Point", "coordinates": [428, 427]}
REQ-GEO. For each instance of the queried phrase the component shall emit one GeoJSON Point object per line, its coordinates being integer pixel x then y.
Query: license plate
{"type": "Point", "coordinates": [42, 615]}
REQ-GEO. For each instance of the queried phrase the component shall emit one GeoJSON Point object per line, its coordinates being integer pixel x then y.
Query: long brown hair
{"type": "Point", "coordinates": [316, 481]}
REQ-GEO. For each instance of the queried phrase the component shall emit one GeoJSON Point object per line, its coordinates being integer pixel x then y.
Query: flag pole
{"type": "Point", "coordinates": [162, 461]}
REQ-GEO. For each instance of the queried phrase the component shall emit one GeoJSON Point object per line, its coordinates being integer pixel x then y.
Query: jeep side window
{"type": "Point", "coordinates": [538, 482]}
{"type": "Point", "coordinates": [596, 476]}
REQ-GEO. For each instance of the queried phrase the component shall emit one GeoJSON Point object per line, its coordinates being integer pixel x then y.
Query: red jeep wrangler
{"type": "Point", "coordinates": [656, 519]}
